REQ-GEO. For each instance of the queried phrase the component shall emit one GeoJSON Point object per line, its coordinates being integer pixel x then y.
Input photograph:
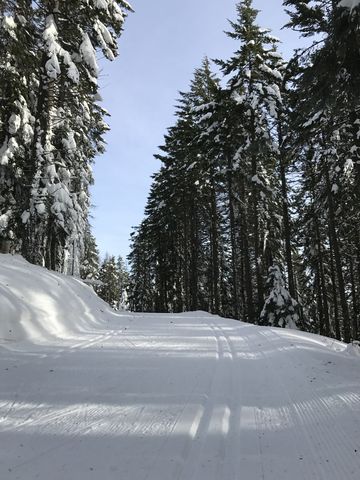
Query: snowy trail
{"type": "Point", "coordinates": [186, 397]}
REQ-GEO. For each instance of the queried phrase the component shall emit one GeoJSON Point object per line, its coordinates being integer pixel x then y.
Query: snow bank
{"type": "Point", "coordinates": [311, 338]}
{"type": "Point", "coordinates": [38, 305]}
{"type": "Point", "coordinates": [353, 349]}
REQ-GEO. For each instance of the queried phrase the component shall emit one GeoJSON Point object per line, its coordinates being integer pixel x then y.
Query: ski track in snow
{"type": "Point", "coordinates": [183, 397]}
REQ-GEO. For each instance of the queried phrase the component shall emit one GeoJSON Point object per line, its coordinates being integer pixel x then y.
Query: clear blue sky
{"type": "Point", "coordinates": [163, 42]}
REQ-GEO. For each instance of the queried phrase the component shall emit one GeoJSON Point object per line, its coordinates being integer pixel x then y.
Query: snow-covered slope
{"type": "Point", "coordinates": [38, 305]}
{"type": "Point", "coordinates": [162, 397]}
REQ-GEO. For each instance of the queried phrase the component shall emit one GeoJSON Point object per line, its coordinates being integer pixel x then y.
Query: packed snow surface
{"type": "Point", "coordinates": [90, 394]}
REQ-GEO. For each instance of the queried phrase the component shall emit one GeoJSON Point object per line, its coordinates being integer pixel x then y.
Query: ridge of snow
{"type": "Point", "coordinates": [38, 305]}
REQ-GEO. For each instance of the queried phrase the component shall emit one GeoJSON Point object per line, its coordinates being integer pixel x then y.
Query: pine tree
{"type": "Point", "coordinates": [141, 290]}
{"type": "Point", "coordinates": [17, 83]}
{"type": "Point", "coordinates": [254, 87]}
{"type": "Point", "coordinates": [325, 120]}
{"type": "Point", "coordinates": [181, 227]}
{"type": "Point", "coordinates": [280, 309]}
{"type": "Point", "coordinates": [218, 162]}
{"type": "Point", "coordinates": [51, 126]}
{"type": "Point", "coordinates": [89, 270]}
{"type": "Point", "coordinates": [109, 289]}
{"type": "Point", "coordinates": [124, 280]}
{"type": "Point", "coordinates": [63, 150]}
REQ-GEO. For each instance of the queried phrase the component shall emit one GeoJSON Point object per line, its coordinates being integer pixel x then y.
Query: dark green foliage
{"type": "Point", "coordinates": [109, 290]}
{"type": "Point", "coordinates": [325, 123]}
{"type": "Point", "coordinates": [51, 126]}
{"type": "Point", "coordinates": [213, 218]}
{"type": "Point", "coordinates": [89, 267]}
{"type": "Point", "coordinates": [261, 172]}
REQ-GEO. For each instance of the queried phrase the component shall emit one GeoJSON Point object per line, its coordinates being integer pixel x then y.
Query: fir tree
{"type": "Point", "coordinates": [51, 126]}
{"type": "Point", "coordinates": [254, 87]}
{"type": "Point", "coordinates": [17, 83]}
{"type": "Point", "coordinates": [280, 309]}
{"type": "Point", "coordinates": [109, 289]}
{"type": "Point", "coordinates": [326, 122]}
{"type": "Point", "coordinates": [90, 259]}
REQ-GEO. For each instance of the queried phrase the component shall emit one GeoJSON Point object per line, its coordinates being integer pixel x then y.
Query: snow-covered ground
{"type": "Point", "coordinates": [89, 394]}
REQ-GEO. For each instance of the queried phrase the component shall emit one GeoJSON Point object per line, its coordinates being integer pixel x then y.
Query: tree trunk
{"type": "Point", "coordinates": [326, 324]}
{"type": "Point", "coordinates": [355, 311]}
{"type": "Point", "coordinates": [194, 257]}
{"type": "Point", "coordinates": [286, 216]}
{"type": "Point", "coordinates": [334, 292]}
{"type": "Point", "coordinates": [235, 289]}
{"type": "Point", "coordinates": [251, 316]}
{"type": "Point", "coordinates": [338, 264]}
{"type": "Point", "coordinates": [215, 271]}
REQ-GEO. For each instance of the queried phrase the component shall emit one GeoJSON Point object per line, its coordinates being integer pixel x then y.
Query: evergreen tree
{"type": "Point", "coordinates": [280, 309]}
{"type": "Point", "coordinates": [90, 260]}
{"type": "Point", "coordinates": [51, 126]}
{"type": "Point", "coordinates": [254, 88]}
{"type": "Point", "coordinates": [179, 268]}
{"type": "Point", "coordinates": [124, 280]}
{"type": "Point", "coordinates": [109, 290]}
{"type": "Point", "coordinates": [326, 123]}
{"type": "Point", "coordinates": [17, 84]}
{"type": "Point", "coordinates": [217, 181]}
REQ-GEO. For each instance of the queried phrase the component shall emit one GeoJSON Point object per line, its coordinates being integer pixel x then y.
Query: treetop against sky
{"type": "Point", "coordinates": [163, 42]}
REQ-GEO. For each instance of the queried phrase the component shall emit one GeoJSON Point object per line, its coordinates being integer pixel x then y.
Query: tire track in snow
{"type": "Point", "coordinates": [198, 421]}
{"type": "Point", "coordinates": [188, 414]}
{"type": "Point", "coordinates": [205, 451]}
{"type": "Point", "coordinates": [104, 337]}
{"type": "Point", "coordinates": [231, 464]}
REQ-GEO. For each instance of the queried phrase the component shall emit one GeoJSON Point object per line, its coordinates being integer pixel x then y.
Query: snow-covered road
{"type": "Point", "coordinates": [190, 397]}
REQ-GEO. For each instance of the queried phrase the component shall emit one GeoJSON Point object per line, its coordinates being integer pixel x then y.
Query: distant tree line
{"type": "Point", "coordinates": [109, 277]}
{"type": "Point", "coordinates": [254, 214]}
{"type": "Point", "coordinates": [51, 123]}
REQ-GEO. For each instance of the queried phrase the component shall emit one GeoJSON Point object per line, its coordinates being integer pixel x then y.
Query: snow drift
{"type": "Point", "coordinates": [37, 305]}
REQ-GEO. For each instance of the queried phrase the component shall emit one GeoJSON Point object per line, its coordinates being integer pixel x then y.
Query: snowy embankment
{"type": "Point", "coordinates": [39, 305]}
{"type": "Point", "coordinates": [89, 394]}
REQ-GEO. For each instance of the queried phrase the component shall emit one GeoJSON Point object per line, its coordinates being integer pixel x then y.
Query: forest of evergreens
{"type": "Point", "coordinates": [52, 125]}
{"type": "Point", "coordinates": [254, 214]}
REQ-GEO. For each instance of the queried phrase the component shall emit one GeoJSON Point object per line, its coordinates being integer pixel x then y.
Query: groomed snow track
{"type": "Point", "coordinates": [86, 393]}
{"type": "Point", "coordinates": [183, 397]}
